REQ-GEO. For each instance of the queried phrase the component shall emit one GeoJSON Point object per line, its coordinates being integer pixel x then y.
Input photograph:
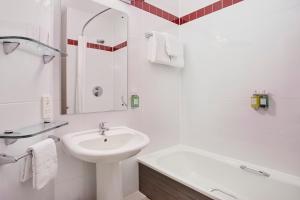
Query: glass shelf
{"type": "Point", "coordinates": [31, 131]}
{"type": "Point", "coordinates": [11, 43]}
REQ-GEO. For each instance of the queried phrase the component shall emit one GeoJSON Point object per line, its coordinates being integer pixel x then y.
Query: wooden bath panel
{"type": "Point", "coordinates": [157, 186]}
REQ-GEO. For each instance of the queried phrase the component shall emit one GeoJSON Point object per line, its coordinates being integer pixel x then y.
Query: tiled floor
{"type": "Point", "coordinates": [136, 196]}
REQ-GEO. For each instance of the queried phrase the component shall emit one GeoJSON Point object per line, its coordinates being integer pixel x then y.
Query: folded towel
{"type": "Point", "coordinates": [177, 61]}
{"type": "Point", "coordinates": [26, 170]}
{"type": "Point", "coordinates": [157, 49]}
{"type": "Point", "coordinates": [44, 162]}
{"type": "Point", "coordinates": [174, 47]}
{"type": "Point", "coordinates": [165, 49]}
{"type": "Point", "coordinates": [175, 50]}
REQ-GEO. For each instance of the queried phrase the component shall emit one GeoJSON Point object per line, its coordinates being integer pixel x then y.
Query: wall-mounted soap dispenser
{"type": "Point", "coordinates": [264, 101]}
{"type": "Point", "coordinates": [255, 101]}
{"type": "Point", "coordinates": [260, 100]}
{"type": "Point", "coordinates": [135, 101]}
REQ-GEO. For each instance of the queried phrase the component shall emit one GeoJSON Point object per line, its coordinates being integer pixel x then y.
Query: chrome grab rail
{"type": "Point", "coordinates": [254, 171]}
{"type": "Point", "coordinates": [226, 193]}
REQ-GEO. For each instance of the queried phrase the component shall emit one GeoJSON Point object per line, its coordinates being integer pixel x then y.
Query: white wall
{"type": "Point", "coordinates": [250, 46]}
{"type": "Point", "coordinates": [24, 80]}
{"type": "Point", "coordinates": [253, 45]}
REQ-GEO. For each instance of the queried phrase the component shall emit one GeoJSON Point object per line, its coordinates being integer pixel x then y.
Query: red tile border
{"type": "Point", "coordinates": [208, 9]}
{"type": "Point", "coordinates": [72, 42]}
{"type": "Point", "coordinates": [141, 4]}
{"type": "Point", "coordinates": [120, 46]}
{"type": "Point", "coordinates": [236, 1]}
{"type": "Point", "coordinates": [227, 3]}
{"type": "Point", "coordinates": [99, 46]}
{"type": "Point", "coordinates": [217, 6]}
{"type": "Point", "coordinates": [200, 13]}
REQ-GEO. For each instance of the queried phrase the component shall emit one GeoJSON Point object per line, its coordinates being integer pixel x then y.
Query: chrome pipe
{"type": "Point", "coordinates": [91, 19]}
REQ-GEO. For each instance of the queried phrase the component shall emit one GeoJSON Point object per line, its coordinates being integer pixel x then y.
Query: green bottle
{"type": "Point", "coordinates": [135, 101]}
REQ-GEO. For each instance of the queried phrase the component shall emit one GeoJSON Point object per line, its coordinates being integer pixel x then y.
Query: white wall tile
{"type": "Point", "coordinates": [230, 54]}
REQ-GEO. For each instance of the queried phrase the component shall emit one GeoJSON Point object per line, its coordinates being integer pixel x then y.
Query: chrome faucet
{"type": "Point", "coordinates": [102, 128]}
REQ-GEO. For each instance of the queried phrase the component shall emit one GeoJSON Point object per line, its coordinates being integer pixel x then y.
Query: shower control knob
{"type": "Point", "coordinates": [98, 91]}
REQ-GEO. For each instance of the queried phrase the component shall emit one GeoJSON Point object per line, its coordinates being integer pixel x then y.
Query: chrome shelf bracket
{"type": "Point", "coordinates": [9, 47]}
{"type": "Point", "coordinates": [48, 53]}
{"type": "Point", "coordinates": [48, 58]}
{"type": "Point", "coordinates": [10, 141]}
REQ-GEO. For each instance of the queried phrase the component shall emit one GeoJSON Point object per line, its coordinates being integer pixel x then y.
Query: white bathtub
{"type": "Point", "coordinates": [220, 177]}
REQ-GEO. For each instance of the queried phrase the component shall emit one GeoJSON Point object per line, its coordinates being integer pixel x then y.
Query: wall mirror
{"type": "Point", "coordinates": [94, 74]}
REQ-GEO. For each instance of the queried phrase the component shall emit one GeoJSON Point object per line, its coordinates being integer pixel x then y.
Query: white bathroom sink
{"type": "Point", "coordinates": [118, 143]}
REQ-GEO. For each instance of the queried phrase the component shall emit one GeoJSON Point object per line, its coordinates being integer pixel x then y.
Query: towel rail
{"type": "Point", "coordinates": [7, 159]}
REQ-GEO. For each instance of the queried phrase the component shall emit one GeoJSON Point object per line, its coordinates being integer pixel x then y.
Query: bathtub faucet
{"type": "Point", "coordinates": [102, 128]}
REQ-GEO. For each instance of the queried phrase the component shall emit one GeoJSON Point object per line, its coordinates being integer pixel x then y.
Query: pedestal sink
{"type": "Point", "coordinates": [118, 143]}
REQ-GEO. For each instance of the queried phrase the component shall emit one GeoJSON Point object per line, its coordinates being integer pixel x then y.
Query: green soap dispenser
{"type": "Point", "coordinates": [135, 101]}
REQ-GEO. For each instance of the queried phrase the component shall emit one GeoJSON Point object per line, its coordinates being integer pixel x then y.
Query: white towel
{"type": "Point", "coordinates": [177, 61]}
{"type": "Point", "coordinates": [26, 170]}
{"type": "Point", "coordinates": [43, 167]}
{"type": "Point", "coordinates": [175, 50]}
{"type": "Point", "coordinates": [80, 74]}
{"type": "Point", "coordinates": [174, 47]}
{"type": "Point", "coordinates": [157, 49]}
{"type": "Point", "coordinates": [165, 49]}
